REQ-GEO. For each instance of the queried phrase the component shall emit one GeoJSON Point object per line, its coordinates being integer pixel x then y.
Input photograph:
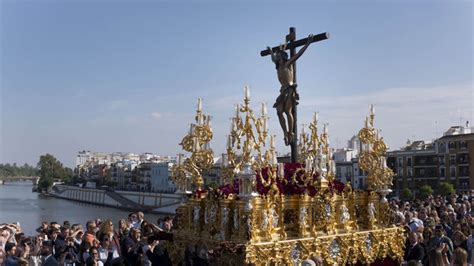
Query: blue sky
{"type": "Point", "coordinates": [125, 76]}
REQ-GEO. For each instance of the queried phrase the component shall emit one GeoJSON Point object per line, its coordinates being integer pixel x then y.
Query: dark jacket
{"type": "Point", "coordinates": [416, 252]}
{"type": "Point", "coordinates": [50, 261]}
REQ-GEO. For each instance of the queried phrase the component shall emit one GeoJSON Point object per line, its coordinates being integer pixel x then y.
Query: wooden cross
{"type": "Point", "coordinates": [292, 45]}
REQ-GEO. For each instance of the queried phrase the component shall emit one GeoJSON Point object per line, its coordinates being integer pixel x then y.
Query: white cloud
{"type": "Point", "coordinates": [156, 115]}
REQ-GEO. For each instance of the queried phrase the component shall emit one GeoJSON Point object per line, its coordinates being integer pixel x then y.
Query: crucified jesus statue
{"type": "Point", "coordinates": [288, 97]}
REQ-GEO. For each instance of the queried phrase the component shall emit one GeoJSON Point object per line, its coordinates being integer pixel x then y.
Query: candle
{"type": "Point", "coordinates": [229, 142]}
{"type": "Point", "coordinates": [180, 159]}
{"type": "Point", "coordinates": [208, 121]}
{"type": "Point", "coordinates": [264, 109]}
{"type": "Point", "coordinates": [272, 141]}
{"type": "Point", "coordinates": [199, 105]}
{"type": "Point", "coordinates": [274, 158]}
{"type": "Point", "coordinates": [281, 170]}
{"type": "Point", "coordinates": [307, 165]}
{"type": "Point", "coordinates": [237, 110]}
{"type": "Point", "coordinates": [196, 144]}
{"type": "Point", "coordinates": [303, 131]}
{"type": "Point", "coordinates": [315, 117]}
{"type": "Point", "coordinates": [191, 130]}
{"type": "Point", "coordinates": [265, 126]}
{"type": "Point", "coordinates": [199, 117]}
{"type": "Point", "coordinates": [366, 121]}
{"type": "Point", "coordinates": [372, 109]}
{"type": "Point", "coordinates": [325, 128]}
{"type": "Point", "coordinates": [247, 92]}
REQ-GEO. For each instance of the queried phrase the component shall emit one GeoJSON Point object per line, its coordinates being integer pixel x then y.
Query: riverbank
{"type": "Point", "coordinates": [19, 204]}
{"type": "Point", "coordinates": [158, 203]}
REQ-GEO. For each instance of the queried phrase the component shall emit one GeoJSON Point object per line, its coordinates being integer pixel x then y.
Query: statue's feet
{"type": "Point", "coordinates": [287, 141]}
{"type": "Point", "coordinates": [290, 137]}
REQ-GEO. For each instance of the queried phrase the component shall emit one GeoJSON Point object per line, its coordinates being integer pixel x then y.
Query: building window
{"type": "Point", "coordinates": [442, 172]}
{"type": "Point", "coordinates": [408, 161]}
{"type": "Point", "coordinates": [463, 145]}
{"type": "Point", "coordinates": [442, 147]}
{"type": "Point", "coordinates": [463, 158]}
{"type": "Point", "coordinates": [441, 160]}
{"type": "Point", "coordinates": [452, 159]}
{"type": "Point", "coordinates": [452, 145]}
{"type": "Point", "coordinates": [452, 171]}
{"type": "Point", "coordinates": [400, 172]}
{"type": "Point", "coordinates": [410, 172]}
{"type": "Point", "coordinates": [400, 161]}
{"type": "Point", "coordinates": [422, 172]}
{"type": "Point", "coordinates": [464, 171]}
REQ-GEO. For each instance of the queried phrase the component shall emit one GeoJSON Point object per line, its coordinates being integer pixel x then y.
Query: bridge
{"type": "Point", "coordinates": [10, 179]}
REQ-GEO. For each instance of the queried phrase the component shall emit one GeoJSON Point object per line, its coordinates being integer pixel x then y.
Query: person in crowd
{"type": "Point", "coordinates": [166, 224]}
{"type": "Point", "coordinates": [123, 229]}
{"type": "Point", "coordinates": [414, 251]}
{"type": "Point", "coordinates": [130, 247]}
{"type": "Point", "coordinates": [47, 255]}
{"type": "Point", "coordinates": [89, 236]}
{"type": "Point", "coordinates": [94, 258]}
{"type": "Point", "coordinates": [459, 257]}
{"type": "Point", "coordinates": [107, 250]}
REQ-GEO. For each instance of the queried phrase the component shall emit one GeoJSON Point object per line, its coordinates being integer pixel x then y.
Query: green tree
{"type": "Point", "coordinates": [446, 188]}
{"type": "Point", "coordinates": [407, 194]}
{"type": "Point", "coordinates": [50, 169]}
{"type": "Point", "coordinates": [426, 191]}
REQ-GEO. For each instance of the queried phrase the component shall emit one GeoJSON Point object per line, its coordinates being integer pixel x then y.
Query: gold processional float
{"type": "Point", "coordinates": [271, 213]}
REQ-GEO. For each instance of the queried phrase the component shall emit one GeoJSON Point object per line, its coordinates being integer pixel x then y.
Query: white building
{"type": "Point", "coordinates": [160, 177]}
{"type": "Point", "coordinates": [82, 158]}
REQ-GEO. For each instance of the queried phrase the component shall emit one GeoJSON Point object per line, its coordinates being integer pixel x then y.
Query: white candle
{"type": "Point", "coordinates": [274, 158]}
{"type": "Point", "coordinates": [315, 117]}
{"type": "Point", "coordinates": [265, 126]}
{"type": "Point", "coordinates": [281, 170]}
{"type": "Point", "coordinates": [180, 159]}
{"type": "Point", "coordinates": [200, 119]}
{"type": "Point", "coordinates": [264, 110]}
{"type": "Point", "coordinates": [234, 124]}
{"type": "Point", "coordinates": [199, 106]}
{"type": "Point", "coordinates": [237, 110]}
{"type": "Point", "coordinates": [308, 165]}
{"type": "Point", "coordinates": [208, 121]}
{"type": "Point", "coordinates": [247, 92]}
{"type": "Point", "coordinates": [229, 142]}
{"type": "Point", "coordinates": [272, 141]}
{"type": "Point", "coordinates": [372, 109]}
{"type": "Point", "coordinates": [303, 131]}
{"type": "Point", "coordinates": [366, 122]}
{"type": "Point", "coordinates": [196, 144]}
{"type": "Point", "coordinates": [191, 130]}
{"type": "Point", "coordinates": [325, 129]}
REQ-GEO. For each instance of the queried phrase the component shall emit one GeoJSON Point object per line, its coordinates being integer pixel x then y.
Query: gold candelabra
{"type": "Point", "coordinates": [372, 156]}
{"type": "Point", "coordinates": [315, 151]}
{"type": "Point", "coordinates": [248, 136]}
{"type": "Point", "coordinates": [197, 142]}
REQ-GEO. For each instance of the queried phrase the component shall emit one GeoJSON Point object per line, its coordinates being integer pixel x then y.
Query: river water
{"type": "Point", "coordinates": [19, 204]}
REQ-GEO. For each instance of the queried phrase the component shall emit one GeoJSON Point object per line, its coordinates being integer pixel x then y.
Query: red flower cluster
{"type": "Point", "coordinates": [226, 190]}
{"type": "Point", "coordinates": [337, 186]}
{"type": "Point", "coordinates": [286, 185]}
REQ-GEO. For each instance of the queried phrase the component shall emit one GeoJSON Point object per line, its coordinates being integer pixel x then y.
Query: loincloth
{"type": "Point", "coordinates": [287, 95]}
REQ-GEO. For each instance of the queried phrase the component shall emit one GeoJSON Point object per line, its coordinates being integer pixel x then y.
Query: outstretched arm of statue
{"type": "Point", "coordinates": [272, 54]}
{"type": "Point", "coordinates": [300, 52]}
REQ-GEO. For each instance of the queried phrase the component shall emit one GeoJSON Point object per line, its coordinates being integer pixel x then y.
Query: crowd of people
{"type": "Point", "coordinates": [134, 241]}
{"type": "Point", "coordinates": [440, 230]}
